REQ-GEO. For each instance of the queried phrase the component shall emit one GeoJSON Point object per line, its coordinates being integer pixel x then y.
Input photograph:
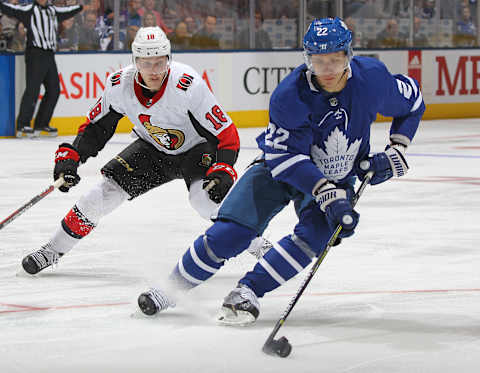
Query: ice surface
{"type": "Point", "coordinates": [402, 295]}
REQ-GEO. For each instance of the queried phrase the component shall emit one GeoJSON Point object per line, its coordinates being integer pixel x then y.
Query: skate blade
{"type": "Point", "coordinates": [226, 316]}
{"type": "Point", "coordinates": [22, 135]}
{"type": "Point", "coordinates": [45, 134]}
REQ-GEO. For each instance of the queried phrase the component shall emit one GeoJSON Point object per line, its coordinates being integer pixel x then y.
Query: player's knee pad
{"type": "Point", "coordinates": [98, 202]}
{"type": "Point", "coordinates": [200, 201]}
{"type": "Point", "coordinates": [228, 239]}
{"type": "Point", "coordinates": [197, 265]}
{"type": "Point", "coordinates": [282, 262]}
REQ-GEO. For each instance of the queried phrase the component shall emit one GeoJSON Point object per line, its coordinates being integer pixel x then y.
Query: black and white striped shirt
{"type": "Point", "coordinates": [41, 22]}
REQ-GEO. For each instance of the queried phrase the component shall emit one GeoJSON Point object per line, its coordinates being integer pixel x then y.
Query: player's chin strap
{"type": "Point", "coordinates": [165, 74]}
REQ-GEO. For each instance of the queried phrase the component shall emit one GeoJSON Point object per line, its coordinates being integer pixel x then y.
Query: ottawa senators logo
{"type": "Point", "coordinates": [168, 138]}
{"type": "Point", "coordinates": [184, 82]}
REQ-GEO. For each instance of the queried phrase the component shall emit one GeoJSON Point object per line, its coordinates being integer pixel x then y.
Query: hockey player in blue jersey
{"type": "Point", "coordinates": [315, 146]}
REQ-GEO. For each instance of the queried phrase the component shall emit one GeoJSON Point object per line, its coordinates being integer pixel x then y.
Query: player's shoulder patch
{"type": "Point", "coordinates": [115, 78]}
{"type": "Point", "coordinates": [185, 81]}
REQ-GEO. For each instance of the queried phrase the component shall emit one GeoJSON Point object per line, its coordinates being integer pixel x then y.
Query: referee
{"type": "Point", "coordinates": [41, 21]}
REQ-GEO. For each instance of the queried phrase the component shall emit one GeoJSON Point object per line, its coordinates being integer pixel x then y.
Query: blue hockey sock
{"type": "Point", "coordinates": [278, 265]}
{"type": "Point", "coordinates": [198, 264]}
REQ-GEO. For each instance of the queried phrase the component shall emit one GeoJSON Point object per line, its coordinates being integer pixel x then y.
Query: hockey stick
{"type": "Point", "coordinates": [58, 183]}
{"type": "Point", "coordinates": [282, 347]}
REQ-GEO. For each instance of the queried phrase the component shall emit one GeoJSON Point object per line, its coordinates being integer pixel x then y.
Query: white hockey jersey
{"type": "Point", "coordinates": [174, 118]}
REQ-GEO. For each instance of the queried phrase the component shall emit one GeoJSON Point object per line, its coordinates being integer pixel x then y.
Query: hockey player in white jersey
{"type": "Point", "coordinates": [183, 133]}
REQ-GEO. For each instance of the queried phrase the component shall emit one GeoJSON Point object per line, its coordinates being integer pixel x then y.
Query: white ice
{"type": "Point", "coordinates": [402, 295]}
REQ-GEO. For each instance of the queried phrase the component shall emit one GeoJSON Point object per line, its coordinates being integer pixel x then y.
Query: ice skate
{"type": "Point", "coordinates": [259, 247]}
{"type": "Point", "coordinates": [154, 301]}
{"type": "Point", "coordinates": [46, 132]}
{"type": "Point", "coordinates": [39, 260]}
{"type": "Point", "coordinates": [25, 132]}
{"type": "Point", "coordinates": [239, 308]}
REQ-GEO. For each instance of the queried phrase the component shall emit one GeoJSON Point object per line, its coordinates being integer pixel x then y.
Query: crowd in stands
{"type": "Point", "coordinates": [224, 24]}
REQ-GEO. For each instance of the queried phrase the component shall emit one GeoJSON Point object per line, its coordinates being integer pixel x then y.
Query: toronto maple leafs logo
{"type": "Point", "coordinates": [336, 161]}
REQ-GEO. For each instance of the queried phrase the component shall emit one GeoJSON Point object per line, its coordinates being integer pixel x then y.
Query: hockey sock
{"type": "Point", "coordinates": [282, 262]}
{"type": "Point", "coordinates": [198, 264]}
{"type": "Point", "coordinates": [223, 240]}
{"type": "Point", "coordinates": [85, 215]}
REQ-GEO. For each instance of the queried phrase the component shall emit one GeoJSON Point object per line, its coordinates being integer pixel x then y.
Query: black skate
{"type": "Point", "coordinates": [46, 131]}
{"type": "Point", "coordinates": [239, 308]}
{"type": "Point", "coordinates": [154, 301]}
{"type": "Point", "coordinates": [39, 260]}
{"type": "Point", "coordinates": [25, 132]}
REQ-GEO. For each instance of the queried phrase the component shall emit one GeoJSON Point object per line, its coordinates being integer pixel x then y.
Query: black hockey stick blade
{"type": "Point", "coordinates": [277, 347]}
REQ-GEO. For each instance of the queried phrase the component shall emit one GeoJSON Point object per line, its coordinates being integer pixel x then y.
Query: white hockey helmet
{"type": "Point", "coordinates": [151, 42]}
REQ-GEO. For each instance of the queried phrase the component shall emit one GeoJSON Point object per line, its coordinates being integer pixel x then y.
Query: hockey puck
{"type": "Point", "coordinates": [280, 347]}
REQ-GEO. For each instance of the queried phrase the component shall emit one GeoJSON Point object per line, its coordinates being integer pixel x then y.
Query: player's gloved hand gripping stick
{"type": "Point", "coordinates": [281, 347]}
{"type": "Point", "coordinates": [65, 175]}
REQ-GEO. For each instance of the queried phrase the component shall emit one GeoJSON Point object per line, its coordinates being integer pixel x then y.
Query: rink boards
{"type": "Point", "coordinates": [243, 82]}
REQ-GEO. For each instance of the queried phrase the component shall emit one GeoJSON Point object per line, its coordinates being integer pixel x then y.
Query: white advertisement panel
{"type": "Point", "coordinates": [451, 76]}
{"type": "Point", "coordinates": [243, 81]}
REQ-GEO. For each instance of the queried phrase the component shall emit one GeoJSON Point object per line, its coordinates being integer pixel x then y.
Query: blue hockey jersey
{"type": "Point", "coordinates": [314, 134]}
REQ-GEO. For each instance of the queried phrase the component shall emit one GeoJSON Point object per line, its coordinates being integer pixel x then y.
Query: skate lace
{"type": "Point", "coordinates": [161, 300]}
{"type": "Point", "coordinates": [45, 257]}
{"type": "Point", "coordinates": [241, 294]}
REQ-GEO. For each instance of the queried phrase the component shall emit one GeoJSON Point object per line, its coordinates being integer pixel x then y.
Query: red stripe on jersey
{"type": "Point", "coordinates": [145, 101]}
{"type": "Point", "coordinates": [228, 138]}
{"type": "Point", "coordinates": [77, 223]}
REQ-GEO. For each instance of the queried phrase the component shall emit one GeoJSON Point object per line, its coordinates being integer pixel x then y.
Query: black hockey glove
{"type": "Point", "coordinates": [336, 205]}
{"type": "Point", "coordinates": [218, 181]}
{"type": "Point", "coordinates": [391, 162]}
{"type": "Point", "coordinates": [66, 164]}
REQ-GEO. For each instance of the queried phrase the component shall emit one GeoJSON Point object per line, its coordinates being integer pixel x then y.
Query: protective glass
{"type": "Point", "coordinates": [327, 64]}
{"type": "Point", "coordinates": [152, 65]}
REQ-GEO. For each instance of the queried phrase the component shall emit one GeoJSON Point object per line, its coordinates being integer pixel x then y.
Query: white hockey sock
{"type": "Point", "coordinates": [85, 215]}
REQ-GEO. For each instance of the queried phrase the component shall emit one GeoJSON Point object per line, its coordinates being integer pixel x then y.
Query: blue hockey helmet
{"type": "Point", "coordinates": [327, 35]}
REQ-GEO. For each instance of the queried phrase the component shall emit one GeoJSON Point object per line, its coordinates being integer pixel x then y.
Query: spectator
{"type": "Point", "coordinates": [390, 36]}
{"type": "Point", "coordinates": [3, 39]}
{"type": "Point", "coordinates": [68, 36]}
{"type": "Point", "coordinates": [419, 39]}
{"type": "Point", "coordinates": [41, 67]}
{"type": "Point", "coordinates": [88, 36]}
{"type": "Point", "coordinates": [17, 44]}
{"type": "Point", "coordinates": [9, 24]}
{"type": "Point", "coordinates": [428, 9]}
{"type": "Point", "coordinates": [356, 38]}
{"type": "Point", "coordinates": [149, 6]}
{"type": "Point", "coordinates": [134, 17]}
{"type": "Point", "coordinates": [262, 39]}
{"type": "Point", "coordinates": [206, 38]}
{"type": "Point", "coordinates": [149, 20]}
{"type": "Point", "coordinates": [466, 31]}
{"type": "Point", "coordinates": [131, 32]}
{"type": "Point", "coordinates": [191, 25]}
{"type": "Point", "coordinates": [180, 39]}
